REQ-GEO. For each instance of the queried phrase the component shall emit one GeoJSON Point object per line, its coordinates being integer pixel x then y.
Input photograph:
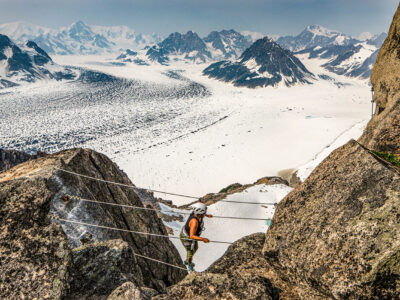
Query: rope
{"type": "Point", "coordinates": [261, 203]}
{"type": "Point", "coordinates": [113, 204]}
{"type": "Point", "coordinates": [159, 261]}
{"type": "Point", "coordinates": [153, 209]}
{"type": "Point", "coordinates": [126, 230]}
{"type": "Point", "coordinates": [156, 191]}
{"type": "Point", "coordinates": [127, 185]}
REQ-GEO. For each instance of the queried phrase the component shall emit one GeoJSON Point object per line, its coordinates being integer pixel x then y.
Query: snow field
{"type": "Point", "coordinates": [266, 130]}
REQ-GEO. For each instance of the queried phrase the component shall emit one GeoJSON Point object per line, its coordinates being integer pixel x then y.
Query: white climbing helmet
{"type": "Point", "coordinates": [199, 208]}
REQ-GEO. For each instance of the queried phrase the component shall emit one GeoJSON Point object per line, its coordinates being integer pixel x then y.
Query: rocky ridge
{"type": "Point", "coordinates": [36, 251]}
{"type": "Point", "coordinates": [11, 158]}
{"type": "Point", "coordinates": [242, 273]}
{"type": "Point", "coordinates": [383, 132]}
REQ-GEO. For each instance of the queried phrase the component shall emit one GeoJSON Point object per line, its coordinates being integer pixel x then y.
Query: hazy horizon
{"type": "Point", "coordinates": [271, 17]}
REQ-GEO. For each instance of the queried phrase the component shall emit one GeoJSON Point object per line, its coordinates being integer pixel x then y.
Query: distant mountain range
{"type": "Point", "coordinates": [350, 60]}
{"type": "Point", "coordinates": [224, 44]}
{"type": "Point", "coordinates": [339, 53]}
{"type": "Point", "coordinates": [264, 63]}
{"type": "Point", "coordinates": [27, 63]}
{"type": "Point", "coordinates": [313, 36]}
{"type": "Point", "coordinates": [78, 38]}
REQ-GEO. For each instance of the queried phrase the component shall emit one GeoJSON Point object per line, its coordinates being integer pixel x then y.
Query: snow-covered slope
{"type": "Point", "coordinates": [78, 38]}
{"type": "Point", "coordinates": [313, 36]}
{"type": "Point", "coordinates": [188, 46]}
{"type": "Point", "coordinates": [265, 63]}
{"type": "Point", "coordinates": [226, 44]}
{"type": "Point", "coordinates": [27, 63]}
{"type": "Point", "coordinates": [351, 60]}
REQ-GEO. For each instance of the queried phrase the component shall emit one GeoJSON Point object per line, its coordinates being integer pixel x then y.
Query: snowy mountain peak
{"type": "Point", "coordinates": [81, 32]}
{"type": "Point", "coordinates": [27, 63]}
{"type": "Point", "coordinates": [22, 31]}
{"type": "Point", "coordinates": [79, 37]}
{"type": "Point", "coordinates": [190, 45]}
{"type": "Point", "coordinates": [364, 36]}
{"type": "Point", "coordinates": [377, 40]}
{"type": "Point", "coordinates": [315, 35]}
{"type": "Point", "coordinates": [264, 63]}
{"type": "Point", "coordinates": [226, 43]}
{"type": "Point", "coordinates": [320, 30]}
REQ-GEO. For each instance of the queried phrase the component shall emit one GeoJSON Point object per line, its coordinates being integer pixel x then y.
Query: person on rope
{"type": "Point", "coordinates": [190, 233]}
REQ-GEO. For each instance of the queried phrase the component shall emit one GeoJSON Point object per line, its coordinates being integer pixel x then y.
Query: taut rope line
{"type": "Point", "coordinates": [127, 230]}
{"type": "Point", "coordinates": [153, 209]}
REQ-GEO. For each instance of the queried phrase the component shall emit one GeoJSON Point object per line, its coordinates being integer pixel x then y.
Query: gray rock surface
{"type": "Point", "coordinates": [35, 251]}
{"type": "Point", "coordinates": [335, 236]}
{"type": "Point", "coordinates": [242, 273]}
{"type": "Point", "coordinates": [130, 291]}
{"type": "Point", "coordinates": [383, 132]}
{"type": "Point", "coordinates": [35, 256]}
{"type": "Point", "coordinates": [11, 158]}
{"type": "Point", "coordinates": [101, 267]}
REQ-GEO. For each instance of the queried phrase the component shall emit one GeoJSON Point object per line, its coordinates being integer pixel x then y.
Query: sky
{"type": "Point", "coordinates": [281, 17]}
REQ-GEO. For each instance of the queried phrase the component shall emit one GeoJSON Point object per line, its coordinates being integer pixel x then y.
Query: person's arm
{"type": "Point", "coordinates": [193, 224]}
{"type": "Point", "coordinates": [209, 216]}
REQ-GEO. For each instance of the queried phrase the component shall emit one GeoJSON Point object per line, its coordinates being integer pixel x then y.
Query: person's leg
{"type": "Point", "coordinates": [184, 242]}
{"type": "Point", "coordinates": [192, 251]}
{"type": "Point", "coordinates": [190, 254]}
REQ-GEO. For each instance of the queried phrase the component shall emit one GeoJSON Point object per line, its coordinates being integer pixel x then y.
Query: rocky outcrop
{"type": "Point", "coordinates": [11, 158]}
{"type": "Point", "coordinates": [234, 188]}
{"type": "Point", "coordinates": [35, 250]}
{"type": "Point", "coordinates": [336, 235]}
{"type": "Point", "coordinates": [101, 267]}
{"type": "Point", "coordinates": [130, 291]}
{"type": "Point", "coordinates": [35, 256]}
{"type": "Point", "coordinates": [383, 132]}
{"type": "Point", "coordinates": [242, 273]}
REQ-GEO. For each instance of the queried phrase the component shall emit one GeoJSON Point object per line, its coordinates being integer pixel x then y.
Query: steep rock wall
{"type": "Point", "coordinates": [33, 242]}
{"type": "Point", "coordinates": [383, 132]}
{"type": "Point", "coordinates": [336, 236]}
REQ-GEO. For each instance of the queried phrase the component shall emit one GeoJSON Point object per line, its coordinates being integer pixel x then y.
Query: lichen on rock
{"type": "Point", "coordinates": [36, 253]}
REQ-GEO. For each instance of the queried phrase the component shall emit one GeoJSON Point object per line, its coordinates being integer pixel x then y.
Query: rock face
{"type": "Point", "coordinates": [11, 158]}
{"type": "Point", "coordinates": [242, 273]}
{"type": "Point", "coordinates": [101, 267]}
{"type": "Point", "coordinates": [336, 235]}
{"type": "Point", "coordinates": [130, 291]}
{"type": "Point", "coordinates": [383, 132]}
{"type": "Point", "coordinates": [35, 256]}
{"type": "Point", "coordinates": [35, 251]}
